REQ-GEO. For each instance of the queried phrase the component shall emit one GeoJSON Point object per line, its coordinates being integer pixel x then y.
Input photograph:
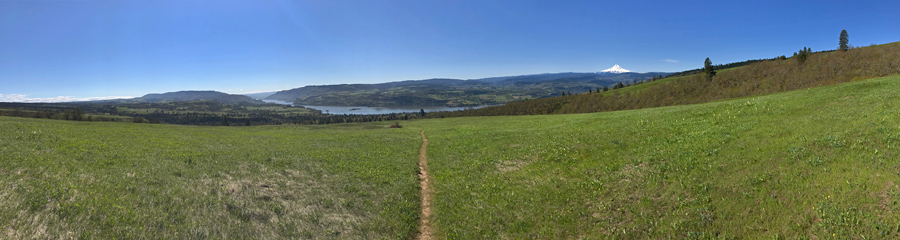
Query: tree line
{"type": "Point", "coordinates": [206, 113]}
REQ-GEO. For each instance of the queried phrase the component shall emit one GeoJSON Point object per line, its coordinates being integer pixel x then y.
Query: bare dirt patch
{"type": "Point", "coordinates": [632, 172]}
{"type": "Point", "coordinates": [886, 201]}
{"type": "Point", "coordinates": [513, 165]}
{"type": "Point", "coordinates": [426, 232]}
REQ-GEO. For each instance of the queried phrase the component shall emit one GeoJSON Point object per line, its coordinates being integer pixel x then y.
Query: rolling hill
{"type": "Point", "coordinates": [189, 96]}
{"type": "Point", "coordinates": [260, 95]}
{"type": "Point", "coordinates": [753, 78]}
{"type": "Point", "coordinates": [455, 92]}
{"type": "Point", "coordinates": [772, 149]}
{"type": "Point", "coordinates": [811, 163]}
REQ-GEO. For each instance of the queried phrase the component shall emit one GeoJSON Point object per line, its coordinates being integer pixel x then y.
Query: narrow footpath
{"type": "Point", "coordinates": [425, 230]}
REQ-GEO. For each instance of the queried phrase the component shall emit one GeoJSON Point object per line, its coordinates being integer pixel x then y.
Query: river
{"type": "Point", "coordinates": [372, 110]}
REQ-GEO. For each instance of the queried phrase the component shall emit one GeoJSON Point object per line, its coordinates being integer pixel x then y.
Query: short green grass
{"type": "Point", "coordinates": [817, 163]}
{"type": "Point", "coordinates": [90, 180]}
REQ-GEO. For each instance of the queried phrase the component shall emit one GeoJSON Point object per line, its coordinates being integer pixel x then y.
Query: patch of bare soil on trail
{"type": "Point", "coordinates": [886, 196]}
{"type": "Point", "coordinates": [513, 165]}
{"type": "Point", "coordinates": [632, 172]}
{"type": "Point", "coordinates": [426, 232]}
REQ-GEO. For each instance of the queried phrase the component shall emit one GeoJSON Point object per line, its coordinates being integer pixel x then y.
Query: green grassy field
{"type": "Point", "coordinates": [817, 163]}
{"type": "Point", "coordinates": [814, 163]}
{"type": "Point", "coordinates": [90, 180]}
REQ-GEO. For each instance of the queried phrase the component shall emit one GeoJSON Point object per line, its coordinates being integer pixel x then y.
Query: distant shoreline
{"type": "Point", "coordinates": [362, 110]}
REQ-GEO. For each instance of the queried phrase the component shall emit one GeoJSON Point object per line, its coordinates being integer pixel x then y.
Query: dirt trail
{"type": "Point", "coordinates": [425, 230]}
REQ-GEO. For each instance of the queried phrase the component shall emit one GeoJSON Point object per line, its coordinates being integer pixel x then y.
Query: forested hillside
{"type": "Point", "coordinates": [186, 96]}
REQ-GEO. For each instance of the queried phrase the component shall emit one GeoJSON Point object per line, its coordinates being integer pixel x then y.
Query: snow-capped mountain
{"type": "Point", "coordinates": [615, 69]}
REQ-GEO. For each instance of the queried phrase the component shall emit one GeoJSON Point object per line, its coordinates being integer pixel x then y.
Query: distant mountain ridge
{"type": "Point", "coordinates": [188, 96]}
{"type": "Point", "coordinates": [259, 95]}
{"type": "Point", "coordinates": [457, 92]}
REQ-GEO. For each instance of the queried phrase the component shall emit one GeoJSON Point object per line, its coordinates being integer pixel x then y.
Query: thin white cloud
{"type": "Point", "coordinates": [26, 99]}
{"type": "Point", "coordinates": [671, 60]}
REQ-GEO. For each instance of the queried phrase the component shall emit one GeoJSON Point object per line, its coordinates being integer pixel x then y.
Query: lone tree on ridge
{"type": "Point", "coordinates": [708, 69]}
{"type": "Point", "coordinates": [845, 40]}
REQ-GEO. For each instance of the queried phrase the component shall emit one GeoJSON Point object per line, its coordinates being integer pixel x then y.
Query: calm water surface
{"type": "Point", "coordinates": [372, 110]}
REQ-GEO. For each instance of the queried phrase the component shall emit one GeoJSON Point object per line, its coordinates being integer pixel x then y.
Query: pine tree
{"type": "Point", "coordinates": [803, 55]}
{"type": "Point", "coordinates": [708, 69]}
{"type": "Point", "coordinates": [844, 41]}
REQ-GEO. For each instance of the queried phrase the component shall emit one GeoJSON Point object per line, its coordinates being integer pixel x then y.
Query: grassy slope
{"type": "Point", "coordinates": [645, 85]}
{"type": "Point", "coordinates": [764, 77]}
{"type": "Point", "coordinates": [64, 179]}
{"type": "Point", "coordinates": [816, 162]}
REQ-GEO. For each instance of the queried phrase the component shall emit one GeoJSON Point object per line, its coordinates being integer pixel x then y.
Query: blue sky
{"type": "Point", "coordinates": [74, 49]}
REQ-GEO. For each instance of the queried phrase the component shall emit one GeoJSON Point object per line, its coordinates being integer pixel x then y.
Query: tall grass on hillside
{"type": "Point", "coordinates": [764, 77]}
